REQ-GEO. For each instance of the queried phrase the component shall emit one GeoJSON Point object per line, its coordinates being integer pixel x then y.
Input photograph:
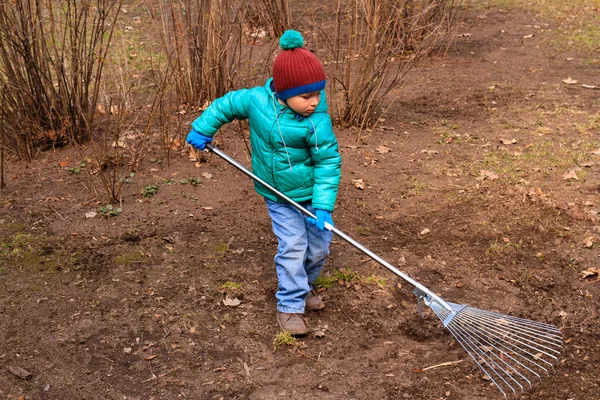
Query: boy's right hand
{"type": "Point", "coordinates": [198, 140]}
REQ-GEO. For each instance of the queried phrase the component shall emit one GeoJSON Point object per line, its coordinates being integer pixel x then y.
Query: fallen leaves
{"type": "Point", "coordinates": [508, 141]}
{"type": "Point", "coordinates": [487, 175]}
{"type": "Point", "coordinates": [359, 184]}
{"type": "Point", "coordinates": [231, 302]}
{"type": "Point", "coordinates": [64, 163]}
{"type": "Point", "coordinates": [537, 194]}
{"type": "Point", "coordinates": [19, 372]}
{"type": "Point", "coordinates": [588, 242]}
{"type": "Point", "coordinates": [383, 149]}
{"type": "Point", "coordinates": [590, 272]}
{"type": "Point", "coordinates": [569, 81]}
{"type": "Point", "coordinates": [90, 214]}
{"type": "Point", "coordinates": [571, 175]}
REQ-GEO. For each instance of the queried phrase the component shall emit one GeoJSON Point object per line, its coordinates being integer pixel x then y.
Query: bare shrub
{"type": "Point", "coordinates": [131, 128]}
{"type": "Point", "coordinates": [51, 60]}
{"type": "Point", "coordinates": [375, 44]}
{"type": "Point", "coordinates": [272, 16]}
{"type": "Point", "coordinates": [205, 42]}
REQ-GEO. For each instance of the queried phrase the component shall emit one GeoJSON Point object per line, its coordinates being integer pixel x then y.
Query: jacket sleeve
{"type": "Point", "coordinates": [233, 105]}
{"type": "Point", "coordinates": [327, 162]}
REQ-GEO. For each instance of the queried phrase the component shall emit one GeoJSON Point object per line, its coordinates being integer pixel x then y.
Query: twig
{"type": "Point", "coordinates": [61, 217]}
{"type": "Point", "coordinates": [155, 377]}
{"type": "Point", "coordinates": [445, 364]}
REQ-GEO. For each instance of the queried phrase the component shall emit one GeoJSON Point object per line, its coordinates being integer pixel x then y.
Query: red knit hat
{"type": "Point", "coordinates": [296, 70]}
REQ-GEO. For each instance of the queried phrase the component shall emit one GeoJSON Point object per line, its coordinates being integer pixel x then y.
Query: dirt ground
{"type": "Point", "coordinates": [482, 182]}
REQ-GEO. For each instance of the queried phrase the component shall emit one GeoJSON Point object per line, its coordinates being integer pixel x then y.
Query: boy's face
{"type": "Point", "coordinates": [305, 103]}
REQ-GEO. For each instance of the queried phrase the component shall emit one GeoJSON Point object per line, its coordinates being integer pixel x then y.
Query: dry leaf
{"type": "Point", "coordinates": [424, 232]}
{"type": "Point", "coordinates": [19, 372]}
{"type": "Point", "coordinates": [569, 81]}
{"type": "Point", "coordinates": [571, 175]}
{"type": "Point", "coordinates": [64, 163]}
{"type": "Point", "coordinates": [596, 152]}
{"type": "Point", "coordinates": [383, 149]}
{"type": "Point", "coordinates": [176, 144]}
{"type": "Point", "coordinates": [590, 272]}
{"type": "Point", "coordinates": [207, 175]}
{"type": "Point", "coordinates": [489, 175]}
{"type": "Point", "coordinates": [508, 141]}
{"type": "Point", "coordinates": [528, 36]}
{"type": "Point", "coordinates": [537, 194]}
{"type": "Point", "coordinates": [149, 358]}
{"type": "Point", "coordinates": [588, 243]}
{"type": "Point", "coordinates": [359, 184]}
{"type": "Point", "coordinates": [91, 214]}
{"type": "Point", "coordinates": [234, 302]}
{"type": "Point", "coordinates": [586, 164]}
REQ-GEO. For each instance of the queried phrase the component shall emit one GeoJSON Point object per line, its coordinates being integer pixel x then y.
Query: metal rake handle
{"type": "Point", "coordinates": [422, 289]}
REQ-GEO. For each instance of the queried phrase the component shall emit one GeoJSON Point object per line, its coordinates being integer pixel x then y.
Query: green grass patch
{"type": "Point", "coordinates": [221, 248]}
{"type": "Point", "coordinates": [284, 338]}
{"type": "Point", "coordinates": [134, 257]}
{"type": "Point", "coordinates": [231, 286]}
{"type": "Point", "coordinates": [575, 24]}
{"type": "Point", "coordinates": [345, 276]}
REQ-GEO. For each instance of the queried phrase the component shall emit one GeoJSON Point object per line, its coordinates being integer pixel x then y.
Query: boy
{"type": "Point", "coordinates": [295, 150]}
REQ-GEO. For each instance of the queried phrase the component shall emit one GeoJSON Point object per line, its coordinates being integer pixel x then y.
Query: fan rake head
{"type": "Point", "coordinates": [512, 352]}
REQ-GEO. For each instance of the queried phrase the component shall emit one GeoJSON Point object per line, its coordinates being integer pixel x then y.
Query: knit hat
{"type": "Point", "coordinates": [296, 70]}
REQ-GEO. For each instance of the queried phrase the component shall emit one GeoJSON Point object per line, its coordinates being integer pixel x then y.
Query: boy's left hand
{"type": "Point", "coordinates": [323, 216]}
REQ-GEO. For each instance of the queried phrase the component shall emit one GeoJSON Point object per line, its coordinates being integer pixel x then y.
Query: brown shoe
{"type": "Point", "coordinates": [293, 323]}
{"type": "Point", "coordinates": [313, 302]}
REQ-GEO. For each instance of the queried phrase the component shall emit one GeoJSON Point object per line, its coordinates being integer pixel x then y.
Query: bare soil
{"type": "Point", "coordinates": [470, 194]}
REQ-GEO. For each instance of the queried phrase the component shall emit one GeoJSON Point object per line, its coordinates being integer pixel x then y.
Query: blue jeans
{"type": "Point", "coordinates": [301, 254]}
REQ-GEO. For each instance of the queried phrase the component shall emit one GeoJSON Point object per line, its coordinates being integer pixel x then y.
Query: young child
{"type": "Point", "coordinates": [295, 150]}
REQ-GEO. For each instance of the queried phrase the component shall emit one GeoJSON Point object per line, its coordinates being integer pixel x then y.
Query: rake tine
{"type": "Point", "coordinates": [474, 347]}
{"type": "Point", "coordinates": [526, 330]}
{"type": "Point", "coordinates": [489, 342]}
{"type": "Point", "coordinates": [493, 333]}
{"type": "Point", "coordinates": [501, 345]}
{"type": "Point", "coordinates": [472, 351]}
{"type": "Point", "coordinates": [475, 330]}
{"type": "Point", "coordinates": [550, 330]}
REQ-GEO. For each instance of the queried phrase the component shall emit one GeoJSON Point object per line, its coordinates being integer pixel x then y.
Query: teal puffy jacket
{"type": "Point", "coordinates": [295, 154]}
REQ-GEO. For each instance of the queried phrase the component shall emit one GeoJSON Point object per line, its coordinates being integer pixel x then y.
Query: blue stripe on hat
{"type": "Point", "coordinates": [298, 90]}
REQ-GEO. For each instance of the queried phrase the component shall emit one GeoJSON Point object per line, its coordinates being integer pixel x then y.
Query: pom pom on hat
{"type": "Point", "coordinates": [291, 40]}
{"type": "Point", "coordinates": [296, 70]}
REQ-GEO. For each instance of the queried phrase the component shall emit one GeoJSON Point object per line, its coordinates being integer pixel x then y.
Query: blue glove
{"type": "Point", "coordinates": [198, 140]}
{"type": "Point", "coordinates": [323, 216]}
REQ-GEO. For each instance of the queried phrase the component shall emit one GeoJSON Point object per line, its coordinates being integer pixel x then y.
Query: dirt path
{"type": "Point", "coordinates": [482, 183]}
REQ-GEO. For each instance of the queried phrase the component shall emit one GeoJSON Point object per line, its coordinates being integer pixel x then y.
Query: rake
{"type": "Point", "coordinates": [511, 352]}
